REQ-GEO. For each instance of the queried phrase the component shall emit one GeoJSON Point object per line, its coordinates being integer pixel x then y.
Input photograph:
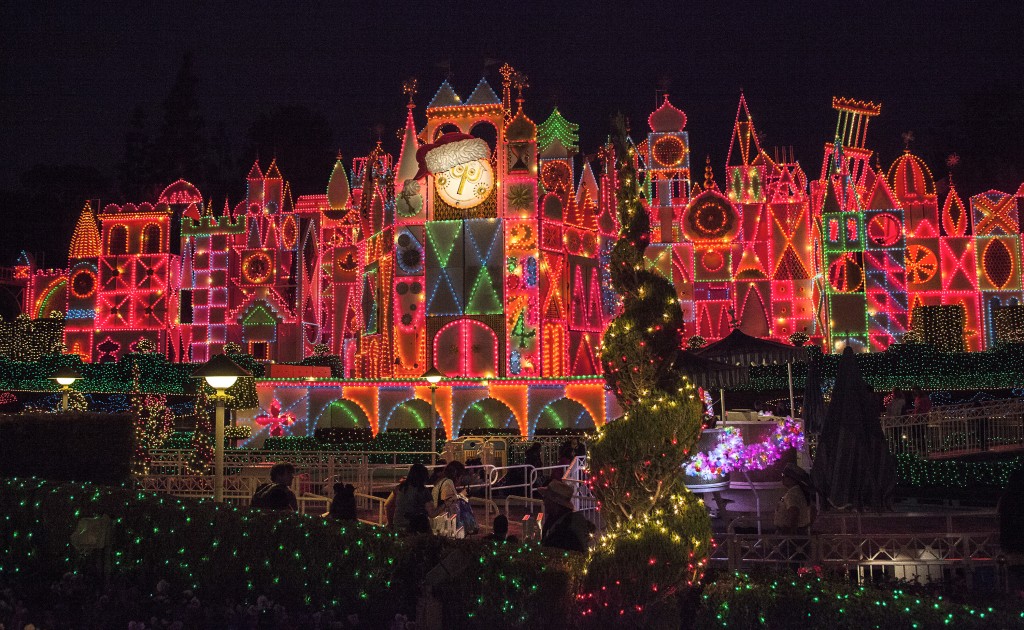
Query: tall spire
{"type": "Point", "coordinates": [85, 241]}
{"type": "Point", "coordinates": [743, 136]}
{"type": "Point", "coordinates": [407, 164]}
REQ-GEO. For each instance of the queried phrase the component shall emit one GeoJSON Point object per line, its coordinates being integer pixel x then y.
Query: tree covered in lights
{"type": "Point", "coordinates": [154, 424]}
{"type": "Point", "coordinates": [200, 456]}
{"type": "Point", "coordinates": [657, 533]}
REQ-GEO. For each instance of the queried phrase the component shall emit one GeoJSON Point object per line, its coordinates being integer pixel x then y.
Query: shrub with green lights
{"type": "Point", "coordinates": [657, 534]}
{"type": "Point", "coordinates": [812, 601]}
{"type": "Point", "coordinates": [221, 552]}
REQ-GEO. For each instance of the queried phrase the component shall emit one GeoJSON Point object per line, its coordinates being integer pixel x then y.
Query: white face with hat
{"type": "Point", "coordinates": [462, 170]}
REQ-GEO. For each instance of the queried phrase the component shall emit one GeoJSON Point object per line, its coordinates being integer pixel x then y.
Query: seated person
{"type": "Point", "coordinates": [564, 527]}
{"type": "Point", "coordinates": [410, 499]}
{"type": "Point", "coordinates": [794, 513]}
{"type": "Point", "coordinates": [277, 495]}
{"type": "Point", "coordinates": [500, 532]}
{"type": "Point", "coordinates": [343, 507]}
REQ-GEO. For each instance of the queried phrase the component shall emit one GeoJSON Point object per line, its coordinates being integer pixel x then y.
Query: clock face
{"type": "Point", "coordinates": [669, 151]}
{"type": "Point", "coordinates": [466, 185]}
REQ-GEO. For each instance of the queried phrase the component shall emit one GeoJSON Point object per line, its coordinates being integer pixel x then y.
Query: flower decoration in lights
{"type": "Point", "coordinates": [275, 419]}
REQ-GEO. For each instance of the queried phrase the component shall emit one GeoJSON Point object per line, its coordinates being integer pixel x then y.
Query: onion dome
{"type": "Point", "coordinates": [180, 192]}
{"type": "Point", "coordinates": [909, 177]}
{"type": "Point", "coordinates": [667, 118]}
{"type": "Point", "coordinates": [338, 190]}
{"type": "Point", "coordinates": [520, 128]}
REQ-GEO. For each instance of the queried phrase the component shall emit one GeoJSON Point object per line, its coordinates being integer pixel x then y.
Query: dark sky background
{"type": "Point", "coordinates": [951, 71]}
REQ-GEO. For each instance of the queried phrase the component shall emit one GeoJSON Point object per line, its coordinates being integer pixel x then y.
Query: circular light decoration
{"type": "Point", "coordinates": [669, 151]}
{"type": "Point", "coordinates": [710, 217]}
{"type": "Point", "coordinates": [884, 230]}
{"type": "Point", "coordinates": [257, 267]}
{"type": "Point", "coordinates": [922, 264]}
{"type": "Point", "coordinates": [83, 283]}
{"type": "Point", "coordinates": [844, 274]}
{"type": "Point", "coordinates": [713, 260]}
{"type": "Point", "coordinates": [555, 175]}
{"type": "Point", "coordinates": [465, 185]}
{"type": "Point", "coordinates": [409, 254]}
{"type": "Point", "coordinates": [573, 243]}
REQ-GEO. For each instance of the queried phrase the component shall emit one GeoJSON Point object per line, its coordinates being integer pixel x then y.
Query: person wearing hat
{"type": "Point", "coordinates": [277, 495]}
{"type": "Point", "coordinates": [793, 512]}
{"type": "Point", "coordinates": [564, 527]}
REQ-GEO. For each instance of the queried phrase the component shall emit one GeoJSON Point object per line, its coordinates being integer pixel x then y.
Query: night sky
{"type": "Point", "coordinates": [70, 76]}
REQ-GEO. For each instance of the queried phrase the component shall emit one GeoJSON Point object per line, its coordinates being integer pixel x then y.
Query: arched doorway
{"type": "Point", "coordinates": [343, 414]}
{"type": "Point", "coordinates": [410, 415]}
{"type": "Point", "coordinates": [563, 414]}
{"type": "Point", "coordinates": [466, 347]}
{"type": "Point", "coordinates": [488, 415]}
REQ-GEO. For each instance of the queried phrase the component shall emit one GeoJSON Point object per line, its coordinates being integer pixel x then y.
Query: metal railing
{"type": "Point", "coordinates": [914, 557]}
{"type": "Point", "coordinates": [951, 430]}
{"type": "Point", "coordinates": [318, 471]}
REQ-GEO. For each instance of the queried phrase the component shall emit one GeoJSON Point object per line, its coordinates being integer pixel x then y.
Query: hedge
{"type": "Point", "coordinates": [811, 601]}
{"type": "Point", "coordinates": [68, 446]}
{"type": "Point", "coordinates": [904, 366]}
{"type": "Point", "coordinates": [223, 552]}
{"type": "Point", "coordinates": [257, 562]}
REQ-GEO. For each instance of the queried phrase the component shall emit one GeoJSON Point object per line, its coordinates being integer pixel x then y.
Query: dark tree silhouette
{"type": "Point", "coordinates": [181, 148]}
{"type": "Point", "coordinates": [301, 141]}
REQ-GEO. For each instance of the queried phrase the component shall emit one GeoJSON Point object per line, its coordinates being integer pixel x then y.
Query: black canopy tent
{"type": "Point", "coordinates": [852, 464]}
{"type": "Point", "coordinates": [814, 402]}
{"type": "Point", "coordinates": [739, 348]}
{"type": "Point", "coordinates": [710, 374]}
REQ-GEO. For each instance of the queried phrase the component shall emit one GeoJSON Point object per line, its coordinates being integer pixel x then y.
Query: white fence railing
{"type": "Point", "coordinates": [957, 429]}
{"type": "Point", "coordinates": [912, 557]}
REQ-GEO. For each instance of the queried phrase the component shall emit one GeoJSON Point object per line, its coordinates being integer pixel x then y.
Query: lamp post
{"type": "Point", "coordinates": [220, 373]}
{"type": "Point", "coordinates": [433, 376]}
{"type": "Point", "coordinates": [65, 377]}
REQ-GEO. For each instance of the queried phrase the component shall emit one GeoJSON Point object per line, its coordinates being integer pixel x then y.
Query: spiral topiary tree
{"type": "Point", "coordinates": [657, 533]}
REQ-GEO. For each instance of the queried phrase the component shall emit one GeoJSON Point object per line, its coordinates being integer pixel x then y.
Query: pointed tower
{"type": "Point", "coordinates": [85, 241]}
{"type": "Point", "coordinates": [407, 165]}
{"type": "Point", "coordinates": [483, 95]}
{"type": "Point", "coordinates": [745, 175]}
{"type": "Point", "coordinates": [254, 187]}
{"type": "Point", "coordinates": [273, 189]}
{"type": "Point", "coordinates": [445, 97]}
{"type": "Point", "coordinates": [668, 169]}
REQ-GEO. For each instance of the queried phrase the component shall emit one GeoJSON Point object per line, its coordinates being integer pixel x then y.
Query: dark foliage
{"type": "Point", "coordinates": [96, 447]}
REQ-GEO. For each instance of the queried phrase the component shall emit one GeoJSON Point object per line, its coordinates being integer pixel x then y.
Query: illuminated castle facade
{"type": "Point", "coordinates": [483, 248]}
